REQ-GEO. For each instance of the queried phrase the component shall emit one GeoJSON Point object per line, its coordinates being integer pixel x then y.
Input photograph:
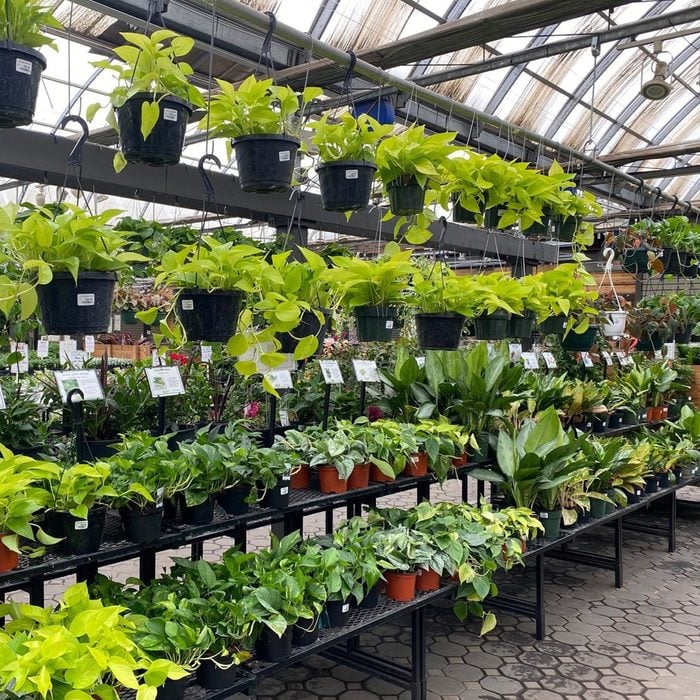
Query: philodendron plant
{"type": "Point", "coordinates": [21, 22]}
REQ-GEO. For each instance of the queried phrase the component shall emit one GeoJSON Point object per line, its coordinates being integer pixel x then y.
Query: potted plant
{"type": "Point", "coordinates": [497, 297]}
{"type": "Point", "coordinates": [334, 454]}
{"type": "Point", "coordinates": [22, 65]}
{"type": "Point", "coordinates": [651, 324]}
{"type": "Point", "coordinates": [391, 446]}
{"type": "Point", "coordinates": [273, 474]}
{"type": "Point", "coordinates": [262, 125]}
{"type": "Point", "coordinates": [153, 100]}
{"type": "Point", "coordinates": [23, 428]}
{"type": "Point", "coordinates": [410, 163]}
{"type": "Point", "coordinates": [67, 261]}
{"type": "Point", "coordinates": [347, 150]}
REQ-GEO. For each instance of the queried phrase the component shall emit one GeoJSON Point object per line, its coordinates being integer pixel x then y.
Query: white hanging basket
{"type": "Point", "coordinates": [615, 322]}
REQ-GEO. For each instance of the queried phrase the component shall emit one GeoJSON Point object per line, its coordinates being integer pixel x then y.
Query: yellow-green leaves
{"type": "Point", "coordinates": [150, 112]}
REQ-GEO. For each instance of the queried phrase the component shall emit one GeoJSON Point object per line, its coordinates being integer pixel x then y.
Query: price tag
{"type": "Point", "coordinates": [284, 418]}
{"type": "Point", "coordinates": [420, 361]}
{"type": "Point", "coordinates": [187, 304]}
{"type": "Point", "coordinates": [42, 348]}
{"type": "Point", "coordinates": [89, 344]}
{"type": "Point", "coordinates": [280, 379]}
{"type": "Point", "coordinates": [65, 348]}
{"type": "Point", "coordinates": [352, 174]}
{"type": "Point", "coordinates": [3, 405]}
{"type": "Point", "coordinates": [285, 156]}
{"type": "Point", "coordinates": [156, 360]}
{"type": "Point", "coordinates": [159, 497]}
{"type": "Point", "coordinates": [670, 351]}
{"type": "Point", "coordinates": [544, 516]}
{"type": "Point", "coordinates": [530, 360]}
{"type": "Point", "coordinates": [365, 370]}
{"type": "Point", "coordinates": [76, 359]}
{"type": "Point", "coordinates": [516, 351]}
{"type": "Point", "coordinates": [85, 299]}
{"type": "Point", "coordinates": [22, 366]}
{"type": "Point", "coordinates": [586, 359]}
{"type": "Point", "coordinates": [657, 355]}
{"type": "Point", "coordinates": [549, 360]}
{"type": "Point", "coordinates": [117, 323]}
{"type": "Point", "coordinates": [389, 325]}
{"type": "Point", "coordinates": [607, 357]}
{"type": "Point", "coordinates": [23, 66]}
{"type": "Point", "coordinates": [164, 381]}
{"type": "Point", "coordinates": [206, 353]}
{"type": "Point", "coordinates": [86, 380]}
{"type": "Point", "coordinates": [81, 525]}
{"type": "Point", "coordinates": [330, 369]}
{"type": "Point", "coordinates": [170, 115]}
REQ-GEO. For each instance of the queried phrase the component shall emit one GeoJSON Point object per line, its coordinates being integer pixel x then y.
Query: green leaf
{"type": "Point", "coordinates": [488, 624]}
{"type": "Point", "coordinates": [306, 347]}
{"type": "Point", "coordinates": [150, 112]}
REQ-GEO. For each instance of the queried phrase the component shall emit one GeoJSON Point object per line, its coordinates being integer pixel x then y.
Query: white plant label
{"type": "Point", "coordinates": [206, 352]}
{"type": "Point", "coordinates": [366, 370]}
{"type": "Point", "coordinates": [420, 361]}
{"type": "Point", "coordinates": [280, 379]}
{"type": "Point", "coordinates": [346, 607]}
{"type": "Point", "coordinates": [3, 405]}
{"type": "Point", "coordinates": [389, 325]}
{"type": "Point", "coordinates": [284, 418]}
{"type": "Point", "coordinates": [164, 381]}
{"type": "Point", "coordinates": [85, 299]}
{"type": "Point", "coordinates": [22, 366]}
{"type": "Point", "coordinates": [530, 360]}
{"type": "Point", "coordinates": [352, 174]}
{"type": "Point", "coordinates": [65, 348]}
{"type": "Point", "coordinates": [516, 351]}
{"type": "Point", "coordinates": [117, 322]}
{"type": "Point", "coordinates": [607, 357]}
{"type": "Point", "coordinates": [586, 359]}
{"type": "Point", "coordinates": [89, 343]}
{"type": "Point", "coordinates": [188, 304]}
{"type": "Point", "coordinates": [81, 524]}
{"type": "Point", "coordinates": [670, 351]}
{"type": "Point", "coordinates": [76, 359]}
{"type": "Point", "coordinates": [544, 516]}
{"type": "Point", "coordinates": [84, 379]}
{"type": "Point", "coordinates": [159, 497]}
{"type": "Point", "coordinates": [22, 66]}
{"type": "Point", "coordinates": [42, 348]}
{"type": "Point", "coordinates": [284, 490]}
{"type": "Point", "coordinates": [330, 369]}
{"type": "Point", "coordinates": [285, 156]}
{"type": "Point", "coordinates": [549, 360]}
{"type": "Point", "coordinates": [170, 115]}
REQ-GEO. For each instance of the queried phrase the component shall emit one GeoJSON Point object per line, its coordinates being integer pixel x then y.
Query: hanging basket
{"type": "Point", "coordinates": [580, 342]}
{"type": "Point", "coordinates": [20, 76]}
{"type": "Point", "coordinates": [210, 316]}
{"type": "Point", "coordinates": [382, 109]}
{"type": "Point", "coordinates": [309, 325]}
{"type": "Point", "coordinates": [554, 325]}
{"type": "Point", "coordinates": [492, 326]}
{"type": "Point", "coordinates": [68, 309]}
{"type": "Point", "coordinates": [614, 325]}
{"type": "Point", "coordinates": [635, 260]}
{"type": "Point", "coordinates": [521, 326]}
{"type": "Point", "coordinates": [164, 144]}
{"type": "Point", "coordinates": [406, 196]}
{"type": "Point", "coordinates": [568, 227]}
{"type": "Point", "coordinates": [265, 162]}
{"type": "Point", "coordinates": [346, 185]}
{"type": "Point", "coordinates": [460, 215]}
{"type": "Point", "coordinates": [439, 331]}
{"type": "Point", "coordinates": [376, 323]}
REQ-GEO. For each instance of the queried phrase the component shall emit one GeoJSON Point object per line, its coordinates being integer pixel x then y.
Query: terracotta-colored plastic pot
{"type": "Point", "coordinates": [8, 559]}
{"type": "Point", "coordinates": [359, 478]}
{"type": "Point", "coordinates": [301, 479]}
{"type": "Point", "coordinates": [400, 585]}
{"type": "Point", "coordinates": [417, 465]}
{"type": "Point", "coordinates": [651, 414]}
{"type": "Point", "coordinates": [330, 481]}
{"type": "Point", "coordinates": [427, 580]}
{"type": "Point", "coordinates": [376, 475]}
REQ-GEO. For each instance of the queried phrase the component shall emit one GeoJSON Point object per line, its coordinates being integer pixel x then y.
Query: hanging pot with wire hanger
{"type": "Point", "coordinates": [613, 322]}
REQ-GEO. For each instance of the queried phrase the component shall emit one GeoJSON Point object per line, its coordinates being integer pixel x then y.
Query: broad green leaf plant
{"type": "Point", "coordinates": [21, 22]}
{"type": "Point", "coordinates": [349, 138]}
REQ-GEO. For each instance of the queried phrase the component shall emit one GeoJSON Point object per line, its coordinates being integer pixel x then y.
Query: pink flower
{"type": "Point", "coordinates": [374, 413]}
{"type": "Point", "coordinates": [251, 410]}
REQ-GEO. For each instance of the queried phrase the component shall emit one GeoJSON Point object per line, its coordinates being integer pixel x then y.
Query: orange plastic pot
{"type": "Point", "coordinates": [417, 465]}
{"type": "Point", "coordinates": [651, 414]}
{"type": "Point", "coordinates": [8, 559]}
{"type": "Point", "coordinates": [376, 475]}
{"type": "Point", "coordinates": [400, 585]}
{"type": "Point", "coordinates": [330, 481]}
{"type": "Point", "coordinates": [427, 580]}
{"type": "Point", "coordinates": [301, 479]}
{"type": "Point", "coordinates": [359, 478]}
{"type": "Point", "coordinates": [460, 461]}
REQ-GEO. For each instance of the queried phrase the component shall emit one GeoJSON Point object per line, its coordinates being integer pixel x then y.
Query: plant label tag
{"type": "Point", "coordinates": [657, 355]}
{"type": "Point", "coordinates": [530, 360]}
{"type": "Point", "coordinates": [549, 360]}
{"type": "Point", "coordinates": [330, 369]}
{"type": "Point", "coordinates": [159, 497]}
{"type": "Point", "coordinates": [586, 359]}
{"type": "Point", "coordinates": [516, 351]}
{"type": "Point", "coordinates": [621, 358]}
{"type": "Point", "coordinates": [187, 304]}
{"type": "Point", "coordinates": [81, 524]}
{"type": "Point", "coordinates": [22, 364]}
{"type": "Point", "coordinates": [284, 418]}
{"type": "Point", "coordinates": [42, 348]}
{"type": "Point", "coordinates": [639, 492]}
{"type": "Point", "coordinates": [170, 115]}
{"type": "Point", "coordinates": [164, 381]}
{"type": "Point", "coordinates": [389, 325]}
{"type": "Point", "coordinates": [287, 476]}
{"type": "Point", "coordinates": [280, 379]}
{"type": "Point", "coordinates": [544, 516]}
{"type": "Point", "coordinates": [607, 357]}
{"type": "Point", "coordinates": [284, 490]}
{"type": "Point", "coordinates": [366, 370]}
{"type": "Point", "coordinates": [84, 379]}
{"type": "Point", "coordinates": [420, 361]}
{"type": "Point", "coordinates": [85, 300]}
{"type": "Point", "coordinates": [352, 174]}
{"type": "Point", "coordinates": [22, 66]}
{"type": "Point", "coordinates": [156, 360]}
{"type": "Point", "coordinates": [285, 156]}
{"type": "Point", "coordinates": [206, 353]}
{"type": "Point", "coordinates": [89, 343]}
{"type": "Point", "coordinates": [76, 359]}
{"type": "Point", "coordinates": [346, 607]}
{"type": "Point", "coordinates": [65, 348]}
{"type": "Point", "coordinates": [3, 405]}
{"type": "Point", "coordinates": [117, 322]}
{"type": "Point", "coordinates": [670, 351]}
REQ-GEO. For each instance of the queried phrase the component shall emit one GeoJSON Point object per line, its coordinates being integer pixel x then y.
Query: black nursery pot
{"type": "Point", "coordinates": [233, 500]}
{"type": "Point", "coordinates": [580, 342]}
{"type": "Point", "coordinates": [142, 525]}
{"type": "Point", "coordinates": [211, 677]}
{"type": "Point", "coordinates": [265, 162]}
{"type": "Point", "coordinates": [664, 480]}
{"type": "Point", "coordinates": [164, 144]}
{"type": "Point", "coordinates": [600, 422]}
{"type": "Point", "coordinates": [376, 323]}
{"type": "Point", "coordinates": [616, 420]}
{"type": "Point", "coordinates": [635, 260]}
{"type": "Point", "coordinates": [521, 326]}
{"type": "Point", "coordinates": [439, 331]}
{"type": "Point", "coordinates": [460, 215]}
{"type": "Point", "coordinates": [172, 690]}
{"type": "Point", "coordinates": [201, 514]}
{"type": "Point", "coordinates": [652, 484]}
{"type": "Point", "coordinates": [278, 496]}
{"type": "Point", "coordinates": [346, 185]}
{"type": "Point", "coordinates": [20, 77]}
{"type": "Point", "coordinates": [406, 196]}
{"type": "Point", "coordinates": [371, 599]}
{"type": "Point", "coordinates": [79, 536]}
{"type": "Point", "coordinates": [309, 325]}
{"type": "Point", "coordinates": [100, 449]}
{"type": "Point", "coordinates": [492, 326]}
{"type": "Point", "coordinates": [272, 648]}
{"type": "Point", "coordinates": [302, 636]}
{"type": "Point", "coordinates": [69, 309]}
{"type": "Point", "coordinates": [554, 325]}
{"type": "Point", "coordinates": [337, 612]}
{"type": "Point", "coordinates": [210, 316]}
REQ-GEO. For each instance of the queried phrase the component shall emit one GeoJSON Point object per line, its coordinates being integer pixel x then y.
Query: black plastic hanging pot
{"type": "Point", "coordinates": [213, 677]}
{"type": "Point", "coordinates": [346, 185]}
{"type": "Point", "coordinates": [278, 496]}
{"type": "Point", "coordinates": [78, 536]}
{"type": "Point", "coordinates": [406, 196]}
{"type": "Point", "coordinates": [650, 342]}
{"type": "Point", "coordinates": [580, 342]}
{"type": "Point", "coordinates": [172, 690]}
{"type": "Point", "coordinates": [272, 648]}
{"type": "Point", "coordinates": [683, 337]}
{"type": "Point", "coordinates": [492, 216]}
{"type": "Point", "coordinates": [540, 228]}
{"type": "Point", "coordinates": [164, 144]}
{"type": "Point", "coordinates": [20, 76]}
{"type": "Point", "coordinates": [635, 260]}
{"type": "Point", "coordinates": [210, 316]}
{"type": "Point", "coordinates": [439, 331]}
{"type": "Point", "coordinates": [100, 449]}
{"type": "Point", "coordinates": [201, 514]}
{"type": "Point", "coordinates": [493, 326]}
{"type": "Point", "coordinates": [568, 227]}
{"type": "Point", "coordinates": [305, 632]}
{"type": "Point", "coordinates": [376, 323]}
{"type": "Point", "coordinates": [554, 325]}
{"type": "Point", "coordinates": [69, 309]}
{"type": "Point", "coordinates": [265, 162]}
{"type": "Point", "coordinates": [673, 261]}
{"type": "Point", "coordinates": [521, 326]}
{"type": "Point", "coordinates": [460, 215]}
{"type": "Point", "coordinates": [142, 524]}
{"type": "Point", "coordinates": [233, 500]}
{"type": "Point", "coordinates": [309, 325]}
{"type": "Point", "coordinates": [337, 612]}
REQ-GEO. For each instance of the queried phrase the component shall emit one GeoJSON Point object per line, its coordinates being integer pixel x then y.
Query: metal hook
{"type": "Point", "coordinates": [443, 231]}
{"type": "Point", "coordinates": [267, 41]}
{"type": "Point", "coordinates": [76, 155]}
{"type": "Point", "coordinates": [347, 83]}
{"type": "Point", "coordinates": [208, 187]}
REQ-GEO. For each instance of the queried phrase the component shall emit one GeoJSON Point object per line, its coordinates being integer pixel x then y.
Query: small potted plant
{"type": "Point", "coordinates": [22, 65]}
{"type": "Point", "coordinates": [334, 454]}
{"type": "Point", "coordinates": [153, 99]}
{"type": "Point", "coordinates": [347, 150]}
{"type": "Point", "coordinates": [497, 297]}
{"type": "Point", "coordinates": [398, 551]}
{"type": "Point", "coordinates": [273, 474]}
{"type": "Point", "coordinates": [23, 428]}
{"type": "Point", "coordinates": [262, 125]}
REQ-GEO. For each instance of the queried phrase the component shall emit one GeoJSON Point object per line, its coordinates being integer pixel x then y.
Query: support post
{"type": "Point", "coordinates": [147, 565]}
{"type": "Point", "coordinates": [363, 398]}
{"type": "Point", "coordinates": [619, 575]}
{"type": "Point", "coordinates": [672, 512]}
{"type": "Point", "coordinates": [540, 622]}
{"type": "Point", "coordinates": [36, 591]}
{"type": "Point", "coordinates": [326, 406]}
{"type": "Point", "coordinates": [272, 416]}
{"type": "Point", "coordinates": [419, 672]}
{"type": "Point", "coordinates": [161, 415]}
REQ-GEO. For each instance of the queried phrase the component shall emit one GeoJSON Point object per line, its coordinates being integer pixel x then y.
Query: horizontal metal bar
{"type": "Point", "coordinates": [371, 663]}
{"type": "Point", "coordinates": [580, 557]}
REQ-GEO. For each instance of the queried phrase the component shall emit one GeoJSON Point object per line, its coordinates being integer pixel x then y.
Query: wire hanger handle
{"type": "Point", "coordinates": [209, 192]}
{"type": "Point", "coordinates": [76, 155]}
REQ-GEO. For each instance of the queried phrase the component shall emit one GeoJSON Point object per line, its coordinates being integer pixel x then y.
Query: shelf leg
{"type": "Point", "coordinates": [480, 491]}
{"type": "Point", "coordinates": [419, 669]}
{"type": "Point", "coordinates": [540, 623]}
{"type": "Point", "coordinates": [672, 511]}
{"type": "Point", "coordinates": [329, 521]}
{"type": "Point", "coordinates": [465, 489]}
{"type": "Point", "coordinates": [197, 550]}
{"type": "Point", "coordinates": [147, 565]}
{"type": "Point", "coordinates": [86, 572]}
{"type": "Point", "coordinates": [423, 492]}
{"type": "Point", "coordinates": [619, 574]}
{"type": "Point", "coordinates": [36, 591]}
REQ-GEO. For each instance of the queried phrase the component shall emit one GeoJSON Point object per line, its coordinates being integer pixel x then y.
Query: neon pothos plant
{"type": "Point", "coordinates": [349, 138]}
{"type": "Point", "coordinates": [151, 65]}
{"type": "Point", "coordinates": [21, 22]}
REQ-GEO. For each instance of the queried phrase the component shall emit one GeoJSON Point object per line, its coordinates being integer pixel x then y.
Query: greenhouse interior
{"type": "Point", "coordinates": [350, 349]}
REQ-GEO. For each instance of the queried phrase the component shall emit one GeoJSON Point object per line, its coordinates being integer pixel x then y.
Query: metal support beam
{"type": "Point", "coordinates": [652, 152]}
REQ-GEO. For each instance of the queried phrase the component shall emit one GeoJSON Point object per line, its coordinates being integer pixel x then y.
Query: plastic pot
{"type": "Point", "coordinates": [172, 690]}
{"type": "Point", "coordinates": [278, 495]}
{"type": "Point", "coordinates": [400, 585]}
{"type": "Point", "coordinates": [568, 227]}
{"type": "Point", "coordinates": [210, 316]}
{"type": "Point", "coordinates": [614, 325]}
{"type": "Point", "coordinates": [20, 76]}
{"type": "Point", "coordinates": [371, 598]}
{"type": "Point", "coordinates": [678, 473]}
{"type": "Point", "coordinates": [34, 452]}
{"type": "Point", "coordinates": [79, 536]}
{"type": "Point", "coordinates": [580, 342]}
{"type": "Point", "coordinates": [346, 185]}
{"type": "Point", "coordinates": [492, 326]}
{"type": "Point", "coordinates": [600, 422]}
{"type": "Point", "coordinates": [128, 317]}
{"type": "Point", "coordinates": [484, 445]}
{"type": "Point", "coordinates": [664, 480]}
{"type": "Point", "coordinates": [201, 514]}
{"type": "Point", "coordinates": [8, 559]}
{"type": "Point", "coordinates": [650, 342]}
{"type": "Point", "coordinates": [439, 331]}
{"type": "Point", "coordinates": [309, 325]}
{"type": "Point", "coordinates": [554, 325]}
{"type": "Point", "coordinates": [610, 507]}
{"type": "Point", "coordinates": [492, 217]}
{"type": "Point", "coordinates": [427, 580]}
{"type": "Point", "coordinates": [69, 309]}
{"type": "Point", "coordinates": [683, 337]}
{"type": "Point", "coordinates": [233, 501]}
{"type": "Point", "coordinates": [375, 323]}
{"type": "Point", "coordinates": [674, 261]}
{"type": "Point", "coordinates": [417, 465]}
{"type": "Point", "coordinates": [406, 196]}
{"type": "Point", "coordinates": [164, 144]}
{"type": "Point", "coordinates": [265, 162]}
{"type": "Point", "coordinates": [330, 481]}
{"type": "Point", "coordinates": [213, 677]}
{"type": "Point", "coordinates": [616, 420]}
{"type": "Point", "coordinates": [142, 525]}
{"type": "Point", "coordinates": [635, 497]}
{"type": "Point", "coordinates": [542, 228]}
{"type": "Point", "coordinates": [359, 477]}
{"type": "Point", "coordinates": [551, 521]}
{"type": "Point", "coordinates": [337, 612]}
{"type": "Point", "coordinates": [652, 484]}
{"type": "Point", "coordinates": [460, 215]}
{"type": "Point", "coordinates": [379, 108]}
{"type": "Point", "coordinates": [376, 475]}
{"type": "Point", "coordinates": [597, 508]}
{"type": "Point", "coordinates": [302, 636]}
{"type": "Point", "coordinates": [100, 449]}
{"type": "Point", "coordinates": [170, 509]}
{"type": "Point", "coordinates": [635, 260]}
{"type": "Point", "coordinates": [301, 479]}
{"type": "Point", "coordinates": [521, 326]}
{"type": "Point", "coordinates": [272, 648]}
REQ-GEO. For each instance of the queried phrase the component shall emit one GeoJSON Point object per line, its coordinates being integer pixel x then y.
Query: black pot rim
{"type": "Point", "coordinates": [161, 98]}
{"type": "Point", "coordinates": [403, 181]}
{"type": "Point", "coordinates": [198, 291]}
{"type": "Point", "coordinates": [84, 275]}
{"type": "Point", "coordinates": [441, 315]}
{"type": "Point", "coordinates": [347, 164]}
{"type": "Point", "coordinates": [20, 48]}
{"type": "Point", "coordinates": [376, 311]}
{"type": "Point", "coordinates": [495, 316]}
{"type": "Point", "coordinates": [266, 137]}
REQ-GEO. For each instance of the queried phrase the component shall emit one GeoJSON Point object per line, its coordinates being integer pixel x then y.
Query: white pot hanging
{"type": "Point", "coordinates": [615, 321]}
